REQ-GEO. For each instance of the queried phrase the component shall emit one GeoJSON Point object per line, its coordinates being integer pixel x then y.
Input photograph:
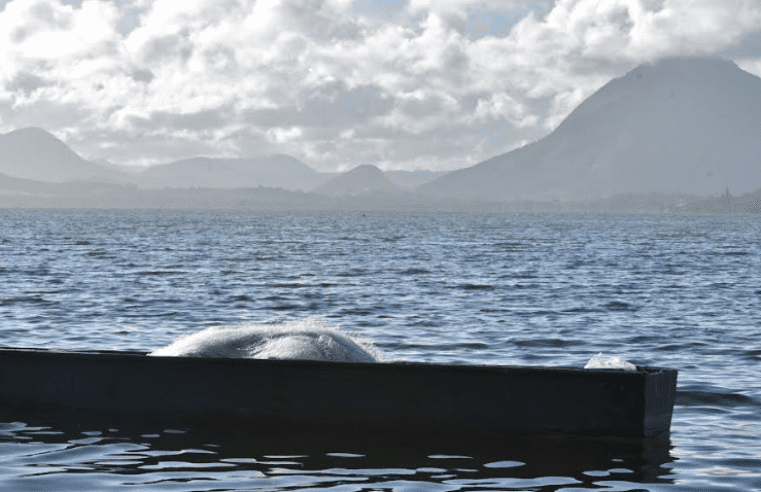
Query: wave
{"type": "Point", "coordinates": [690, 398]}
{"type": "Point", "coordinates": [476, 286]}
{"type": "Point", "coordinates": [620, 306]}
{"type": "Point", "coordinates": [307, 339]}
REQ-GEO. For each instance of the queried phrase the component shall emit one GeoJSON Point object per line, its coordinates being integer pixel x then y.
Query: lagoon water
{"type": "Point", "coordinates": [675, 291]}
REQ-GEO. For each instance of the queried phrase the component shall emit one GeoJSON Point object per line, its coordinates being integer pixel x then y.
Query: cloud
{"type": "Point", "coordinates": [331, 83]}
{"type": "Point", "coordinates": [48, 30]}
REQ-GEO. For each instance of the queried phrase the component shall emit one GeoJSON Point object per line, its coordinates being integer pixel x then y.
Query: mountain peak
{"type": "Point", "coordinates": [366, 170]}
{"type": "Point", "coordinates": [33, 153]}
{"type": "Point", "coordinates": [363, 179]}
{"type": "Point", "coordinates": [32, 135]}
{"type": "Point", "coordinates": [679, 125]}
{"type": "Point", "coordinates": [213, 172]}
{"type": "Point", "coordinates": [687, 65]}
{"type": "Point", "coordinates": [29, 130]}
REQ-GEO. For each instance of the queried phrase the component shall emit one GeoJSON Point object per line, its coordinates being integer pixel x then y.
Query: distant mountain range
{"type": "Point", "coordinates": [34, 154]}
{"type": "Point", "coordinates": [656, 139]}
{"type": "Point", "coordinates": [679, 126]}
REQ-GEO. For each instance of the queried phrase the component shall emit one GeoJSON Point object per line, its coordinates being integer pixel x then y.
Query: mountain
{"type": "Point", "coordinates": [32, 153]}
{"type": "Point", "coordinates": [275, 170]}
{"type": "Point", "coordinates": [25, 193]}
{"type": "Point", "coordinates": [361, 180]}
{"type": "Point", "coordinates": [120, 168]}
{"type": "Point", "coordinates": [409, 180]}
{"type": "Point", "coordinates": [748, 203]}
{"type": "Point", "coordinates": [680, 125]}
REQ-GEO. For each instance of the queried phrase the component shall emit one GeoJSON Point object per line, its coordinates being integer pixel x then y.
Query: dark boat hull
{"type": "Point", "coordinates": [351, 397]}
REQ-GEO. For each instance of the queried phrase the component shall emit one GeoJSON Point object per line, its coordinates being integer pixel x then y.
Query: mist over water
{"type": "Point", "coordinates": [533, 289]}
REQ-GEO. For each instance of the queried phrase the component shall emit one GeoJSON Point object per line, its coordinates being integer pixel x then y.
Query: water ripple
{"type": "Point", "coordinates": [450, 288]}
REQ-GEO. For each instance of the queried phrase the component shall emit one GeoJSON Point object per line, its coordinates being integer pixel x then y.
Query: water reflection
{"type": "Point", "coordinates": [40, 455]}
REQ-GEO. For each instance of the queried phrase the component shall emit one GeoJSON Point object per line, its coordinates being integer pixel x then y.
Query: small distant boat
{"type": "Point", "coordinates": [398, 397]}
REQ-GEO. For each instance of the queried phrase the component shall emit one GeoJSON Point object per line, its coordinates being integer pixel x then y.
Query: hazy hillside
{"type": "Point", "coordinates": [276, 170]}
{"type": "Point", "coordinates": [409, 180]}
{"type": "Point", "coordinates": [748, 203]}
{"type": "Point", "coordinates": [361, 180]}
{"type": "Point", "coordinates": [32, 153]}
{"type": "Point", "coordinates": [681, 125]}
{"type": "Point", "coordinates": [24, 193]}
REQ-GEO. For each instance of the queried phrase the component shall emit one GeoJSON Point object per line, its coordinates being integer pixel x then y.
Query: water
{"type": "Point", "coordinates": [674, 291]}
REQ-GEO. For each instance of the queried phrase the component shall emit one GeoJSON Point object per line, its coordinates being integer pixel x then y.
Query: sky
{"type": "Point", "coordinates": [400, 84]}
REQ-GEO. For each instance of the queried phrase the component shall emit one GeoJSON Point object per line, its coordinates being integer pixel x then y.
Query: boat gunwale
{"type": "Point", "coordinates": [134, 355]}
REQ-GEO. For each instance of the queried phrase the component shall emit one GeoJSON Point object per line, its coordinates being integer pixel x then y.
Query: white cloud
{"type": "Point", "coordinates": [48, 30]}
{"type": "Point", "coordinates": [314, 79]}
{"type": "Point", "coordinates": [502, 106]}
{"type": "Point", "coordinates": [48, 34]}
{"type": "Point", "coordinates": [461, 8]}
{"type": "Point", "coordinates": [282, 135]}
{"type": "Point", "coordinates": [752, 65]}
